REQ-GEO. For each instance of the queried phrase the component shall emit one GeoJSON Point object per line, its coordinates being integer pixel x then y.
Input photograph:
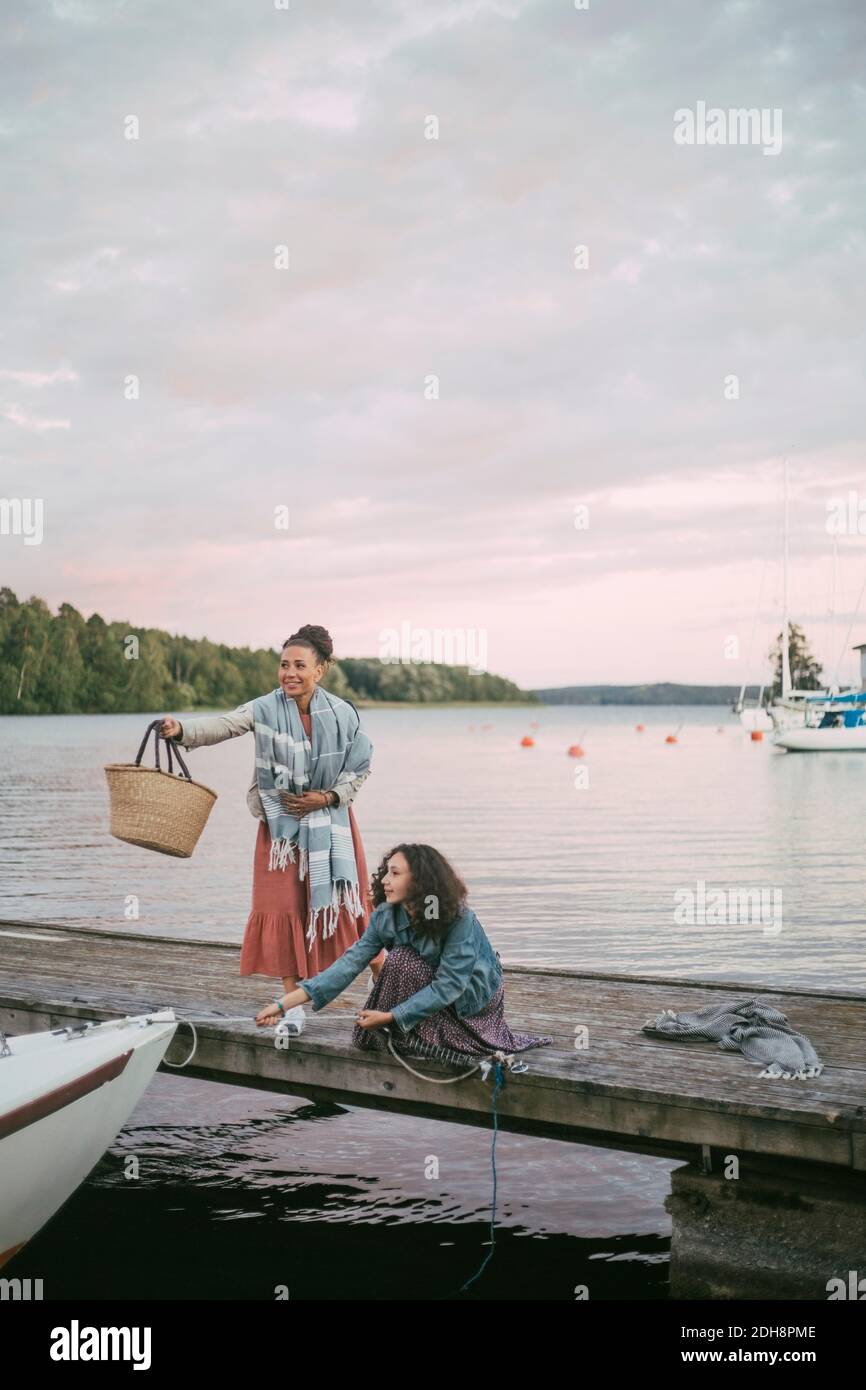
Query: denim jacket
{"type": "Point", "coordinates": [468, 971]}
{"type": "Point", "coordinates": [199, 733]}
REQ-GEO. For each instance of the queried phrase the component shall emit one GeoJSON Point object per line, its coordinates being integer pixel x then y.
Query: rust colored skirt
{"type": "Point", "coordinates": [275, 936]}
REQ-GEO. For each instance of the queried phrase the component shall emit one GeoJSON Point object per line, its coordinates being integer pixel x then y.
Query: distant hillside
{"type": "Point", "coordinates": [664, 693]}
{"type": "Point", "coordinates": [61, 664]}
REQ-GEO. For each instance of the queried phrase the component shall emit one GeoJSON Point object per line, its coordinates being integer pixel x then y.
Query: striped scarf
{"type": "Point", "coordinates": [288, 761]}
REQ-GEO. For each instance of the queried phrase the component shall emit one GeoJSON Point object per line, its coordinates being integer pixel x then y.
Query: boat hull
{"type": "Point", "coordinates": [63, 1101]}
{"type": "Point", "coordinates": [822, 740]}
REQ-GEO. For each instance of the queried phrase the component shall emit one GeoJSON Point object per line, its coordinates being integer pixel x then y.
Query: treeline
{"type": "Point", "coordinates": [663, 693]}
{"type": "Point", "coordinates": [425, 682]}
{"type": "Point", "coordinates": [65, 664]}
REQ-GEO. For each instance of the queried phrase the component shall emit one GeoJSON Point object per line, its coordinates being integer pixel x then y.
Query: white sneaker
{"type": "Point", "coordinates": [293, 1022]}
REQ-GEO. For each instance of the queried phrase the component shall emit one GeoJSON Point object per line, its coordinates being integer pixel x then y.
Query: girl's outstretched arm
{"type": "Point", "coordinates": [325, 986]}
{"type": "Point", "coordinates": [289, 1001]}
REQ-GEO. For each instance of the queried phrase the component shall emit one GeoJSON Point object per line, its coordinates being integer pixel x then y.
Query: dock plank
{"type": "Point", "coordinates": [624, 1090]}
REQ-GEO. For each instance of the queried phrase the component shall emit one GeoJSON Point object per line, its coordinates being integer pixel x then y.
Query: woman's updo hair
{"type": "Point", "coordinates": [318, 639]}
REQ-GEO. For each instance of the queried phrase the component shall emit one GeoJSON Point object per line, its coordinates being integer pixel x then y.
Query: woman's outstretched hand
{"type": "Point", "coordinates": [169, 728]}
{"type": "Point", "coordinates": [372, 1018]}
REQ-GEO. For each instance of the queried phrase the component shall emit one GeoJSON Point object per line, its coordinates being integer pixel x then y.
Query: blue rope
{"type": "Point", "coordinates": [497, 1087]}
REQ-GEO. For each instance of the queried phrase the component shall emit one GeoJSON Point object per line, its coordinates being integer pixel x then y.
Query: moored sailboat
{"type": "Point", "coordinates": [64, 1097]}
{"type": "Point", "coordinates": [834, 723]}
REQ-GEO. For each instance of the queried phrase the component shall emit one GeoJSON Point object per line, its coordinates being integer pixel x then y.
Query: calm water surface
{"type": "Point", "coordinates": [244, 1190]}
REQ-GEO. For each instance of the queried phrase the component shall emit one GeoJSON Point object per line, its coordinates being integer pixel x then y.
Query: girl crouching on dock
{"type": "Point", "coordinates": [441, 983]}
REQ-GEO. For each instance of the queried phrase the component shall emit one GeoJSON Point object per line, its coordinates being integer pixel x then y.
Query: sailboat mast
{"type": "Point", "coordinates": [834, 686]}
{"type": "Point", "coordinates": [742, 695]}
{"type": "Point", "coordinates": [786, 655]}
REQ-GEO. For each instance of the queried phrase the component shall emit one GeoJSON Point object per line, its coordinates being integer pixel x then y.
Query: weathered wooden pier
{"type": "Point", "coordinates": [770, 1200]}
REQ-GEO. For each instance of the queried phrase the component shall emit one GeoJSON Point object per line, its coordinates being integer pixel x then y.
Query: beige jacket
{"type": "Point", "coordinates": [199, 733]}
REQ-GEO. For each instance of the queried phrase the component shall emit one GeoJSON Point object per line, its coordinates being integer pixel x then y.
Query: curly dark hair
{"type": "Point", "coordinates": [318, 639]}
{"type": "Point", "coordinates": [434, 879]}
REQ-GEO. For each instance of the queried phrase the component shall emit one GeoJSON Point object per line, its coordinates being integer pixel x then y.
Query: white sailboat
{"type": "Point", "coordinates": [822, 721]}
{"type": "Point", "coordinates": [831, 724]}
{"type": "Point", "coordinates": [792, 710]}
{"type": "Point", "coordinates": [754, 718]}
{"type": "Point", "coordinates": [64, 1097]}
{"type": "Point", "coordinates": [789, 709]}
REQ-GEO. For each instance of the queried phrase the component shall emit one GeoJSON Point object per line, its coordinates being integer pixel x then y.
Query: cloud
{"type": "Point", "coordinates": [34, 423]}
{"type": "Point", "coordinates": [30, 378]}
{"type": "Point", "coordinates": [415, 260]}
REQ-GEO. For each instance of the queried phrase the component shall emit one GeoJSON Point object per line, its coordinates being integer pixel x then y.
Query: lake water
{"type": "Point", "coordinates": [573, 862]}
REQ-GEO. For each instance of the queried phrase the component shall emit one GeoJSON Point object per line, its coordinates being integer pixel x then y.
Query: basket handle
{"type": "Point", "coordinates": [154, 728]}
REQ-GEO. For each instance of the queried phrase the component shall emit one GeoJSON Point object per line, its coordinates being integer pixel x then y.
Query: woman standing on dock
{"type": "Point", "coordinates": [441, 984]}
{"type": "Point", "coordinates": [310, 901]}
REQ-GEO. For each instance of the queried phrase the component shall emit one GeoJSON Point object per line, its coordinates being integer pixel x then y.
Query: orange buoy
{"type": "Point", "coordinates": [671, 738]}
{"type": "Point", "coordinates": [757, 735]}
{"type": "Point", "coordinates": [575, 751]}
{"type": "Point", "coordinates": [639, 728]}
{"type": "Point", "coordinates": [527, 742]}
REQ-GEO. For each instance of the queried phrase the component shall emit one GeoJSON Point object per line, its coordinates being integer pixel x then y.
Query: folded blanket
{"type": "Point", "coordinates": [757, 1030]}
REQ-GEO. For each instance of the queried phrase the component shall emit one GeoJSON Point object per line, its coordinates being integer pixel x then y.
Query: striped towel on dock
{"type": "Point", "coordinates": [757, 1030]}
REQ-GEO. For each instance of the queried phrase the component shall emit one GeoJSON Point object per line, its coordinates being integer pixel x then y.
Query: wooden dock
{"type": "Point", "coordinates": [687, 1101]}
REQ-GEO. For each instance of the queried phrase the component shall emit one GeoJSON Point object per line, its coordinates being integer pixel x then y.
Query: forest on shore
{"type": "Point", "coordinates": [63, 663]}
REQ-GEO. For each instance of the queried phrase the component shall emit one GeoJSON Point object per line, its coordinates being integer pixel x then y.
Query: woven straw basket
{"type": "Point", "coordinates": [156, 809]}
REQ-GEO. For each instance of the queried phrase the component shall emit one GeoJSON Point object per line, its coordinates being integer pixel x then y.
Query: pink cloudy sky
{"type": "Point", "coordinates": [410, 258]}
